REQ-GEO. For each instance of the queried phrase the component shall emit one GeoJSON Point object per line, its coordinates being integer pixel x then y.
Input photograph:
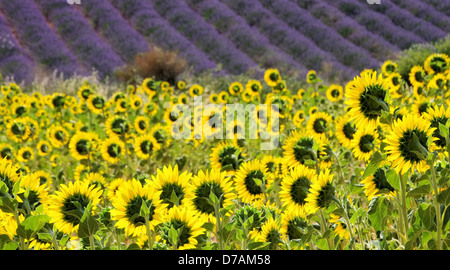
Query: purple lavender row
{"type": "Point", "coordinates": [160, 33]}
{"type": "Point", "coordinates": [348, 28]}
{"type": "Point", "coordinates": [376, 23]}
{"type": "Point", "coordinates": [80, 37]}
{"type": "Point", "coordinates": [246, 38]}
{"type": "Point", "coordinates": [13, 60]}
{"type": "Point", "coordinates": [38, 37]}
{"type": "Point", "coordinates": [123, 38]}
{"type": "Point", "coordinates": [442, 6]}
{"type": "Point", "coordinates": [407, 21]}
{"type": "Point", "coordinates": [301, 48]}
{"type": "Point", "coordinates": [426, 12]}
{"type": "Point", "coordinates": [327, 39]}
{"type": "Point", "coordinates": [204, 36]}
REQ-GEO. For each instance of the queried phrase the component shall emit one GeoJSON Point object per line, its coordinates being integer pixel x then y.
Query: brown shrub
{"type": "Point", "coordinates": [157, 63]}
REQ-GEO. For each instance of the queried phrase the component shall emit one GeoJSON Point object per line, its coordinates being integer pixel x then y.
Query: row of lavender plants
{"type": "Point", "coordinates": [204, 36]}
{"type": "Point", "coordinates": [348, 28]}
{"type": "Point", "coordinates": [440, 5]}
{"type": "Point", "coordinates": [427, 12]}
{"type": "Point", "coordinates": [403, 18]}
{"type": "Point", "coordinates": [158, 31]}
{"type": "Point", "coordinates": [122, 37]}
{"type": "Point", "coordinates": [246, 38]}
{"type": "Point", "coordinates": [13, 59]}
{"type": "Point", "coordinates": [376, 23]}
{"type": "Point", "coordinates": [324, 37]}
{"type": "Point", "coordinates": [301, 48]}
{"type": "Point", "coordinates": [80, 37]}
{"type": "Point", "coordinates": [35, 34]}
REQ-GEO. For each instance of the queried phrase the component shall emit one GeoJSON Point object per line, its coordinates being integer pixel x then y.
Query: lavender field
{"type": "Point", "coordinates": [343, 36]}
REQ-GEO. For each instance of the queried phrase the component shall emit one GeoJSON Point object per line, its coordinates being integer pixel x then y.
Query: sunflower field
{"type": "Point", "coordinates": [360, 166]}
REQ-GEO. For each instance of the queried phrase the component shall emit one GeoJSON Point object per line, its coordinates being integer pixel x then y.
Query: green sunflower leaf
{"type": "Point", "coordinates": [88, 224]}
{"type": "Point", "coordinates": [443, 130]}
{"type": "Point", "coordinates": [31, 225]}
{"type": "Point", "coordinates": [373, 165]}
{"type": "Point", "coordinates": [393, 179]}
{"type": "Point", "coordinates": [444, 197]}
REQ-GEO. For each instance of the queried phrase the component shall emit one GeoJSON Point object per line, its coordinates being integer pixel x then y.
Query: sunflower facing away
{"type": "Point", "coordinates": [301, 147]}
{"type": "Point", "coordinates": [251, 181]}
{"type": "Point", "coordinates": [409, 143]}
{"type": "Point", "coordinates": [321, 193]}
{"type": "Point", "coordinates": [127, 202]}
{"type": "Point", "coordinates": [68, 204]}
{"type": "Point", "coordinates": [227, 157]}
{"type": "Point", "coordinates": [377, 184]}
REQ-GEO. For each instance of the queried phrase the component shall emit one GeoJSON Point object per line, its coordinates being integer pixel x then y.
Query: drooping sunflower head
{"type": "Point", "coordinates": [187, 224]}
{"type": "Point", "coordinates": [130, 197]}
{"type": "Point", "coordinates": [226, 156]}
{"type": "Point", "coordinates": [345, 130]}
{"type": "Point", "coordinates": [437, 63]}
{"type": "Point", "coordinates": [9, 174]}
{"type": "Point", "coordinates": [69, 203]}
{"type": "Point", "coordinates": [251, 181]}
{"type": "Point", "coordinates": [295, 187]}
{"type": "Point", "coordinates": [409, 143]}
{"type": "Point", "coordinates": [209, 184]}
{"type": "Point", "coordinates": [367, 98]}
{"type": "Point", "coordinates": [321, 192]}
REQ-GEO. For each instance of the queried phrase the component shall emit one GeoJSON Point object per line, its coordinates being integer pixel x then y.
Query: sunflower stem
{"type": "Point", "coordinates": [347, 220]}
{"type": "Point", "coordinates": [436, 205]}
{"type": "Point", "coordinates": [403, 208]}
{"type": "Point", "coordinates": [91, 241]}
{"type": "Point", "coordinates": [324, 226]}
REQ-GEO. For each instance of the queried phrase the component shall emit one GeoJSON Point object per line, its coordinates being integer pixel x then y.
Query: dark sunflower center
{"type": "Point", "coordinates": [120, 126]}
{"type": "Point", "coordinates": [366, 143]}
{"type": "Point", "coordinates": [142, 125]}
{"type": "Point", "coordinates": [295, 228]}
{"type": "Point", "coordinates": [438, 64]}
{"type": "Point", "coordinates": [44, 148]}
{"type": "Point", "coordinates": [325, 196]}
{"type": "Point", "coordinates": [73, 208]}
{"type": "Point", "coordinates": [335, 93]}
{"type": "Point", "coordinates": [18, 129]}
{"type": "Point", "coordinates": [423, 107]}
{"type": "Point", "coordinates": [60, 135]}
{"type": "Point", "coordinates": [184, 231]}
{"type": "Point", "coordinates": [299, 190]}
{"type": "Point", "coordinates": [250, 183]}
{"type": "Point", "coordinates": [133, 210]}
{"type": "Point", "coordinates": [320, 125]}
{"type": "Point", "coordinates": [98, 102]}
{"type": "Point", "coordinates": [202, 202]}
{"type": "Point", "coordinates": [114, 150]}
{"type": "Point", "coordinates": [303, 150]}
{"type": "Point", "coordinates": [146, 146]}
{"type": "Point", "coordinates": [6, 153]}
{"type": "Point", "coordinates": [271, 167]}
{"type": "Point", "coordinates": [273, 77]}
{"type": "Point", "coordinates": [166, 194]}
{"type": "Point", "coordinates": [381, 182]}
{"type": "Point", "coordinates": [83, 147]}
{"type": "Point", "coordinates": [349, 130]}
{"type": "Point", "coordinates": [413, 145]}
{"type": "Point", "coordinates": [440, 142]}
{"type": "Point", "coordinates": [419, 76]}
{"type": "Point", "coordinates": [227, 158]}
{"type": "Point", "coordinates": [372, 101]}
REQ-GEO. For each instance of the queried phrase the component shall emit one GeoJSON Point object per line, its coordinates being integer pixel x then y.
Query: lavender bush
{"type": "Point", "coordinates": [245, 38]}
{"type": "Point", "coordinates": [159, 32]}
{"type": "Point", "coordinates": [188, 22]}
{"type": "Point", "coordinates": [34, 33]}
{"type": "Point", "coordinates": [443, 6]}
{"type": "Point", "coordinates": [122, 37]}
{"type": "Point", "coordinates": [326, 38]}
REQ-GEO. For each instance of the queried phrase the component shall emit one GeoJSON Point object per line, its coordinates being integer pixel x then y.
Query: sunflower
{"type": "Point", "coordinates": [335, 92]}
{"type": "Point", "coordinates": [311, 77]}
{"type": "Point", "coordinates": [145, 146]}
{"type": "Point", "coordinates": [84, 92]}
{"type": "Point", "coordinates": [161, 133]}
{"type": "Point", "coordinates": [396, 89]}
{"type": "Point", "coordinates": [127, 203]}
{"type": "Point", "coordinates": [9, 174]}
{"type": "Point", "coordinates": [365, 143]}
{"type": "Point", "coordinates": [17, 130]}
{"type": "Point", "coordinates": [150, 108]}
{"type": "Point", "coordinates": [58, 136]}
{"type": "Point", "coordinates": [270, 233]}
{"type": "Point", "coordinates": [25, 154]}
{"type": "Point", "coordinates": [254, 87]}
{"type": "Point", "coordinates": [252, 181]}
{"type": "Point", "coordinates": [272, 76]}
{"type": "Point", "coordinates": [149, 87]}
{"type": "Point", "coordinates": [420, 105]}
{"type": "Point", "coordinates": [345, 130]}
{"type": "Point", "coordinates": [409, 143]}
{"type": "Point", "coordinates": [6, 151]}
{"type": "Point", "coordinates": [319, 123]}
{"type": "Point", "coordinates": [235, 88]}
{"type": "Point", "coordinates": [437, 63]}
{"type": "Point", "coordinates": [366, 98]}
{"type": "Point", "coordinates": [214, 98]}
{"type": "Point", "coordinates": [377, 184]}
{"type": "Point", "coordinates": [300, 147]}
{"type": "Point", "coordinates": [31, 192]}
{"type": "Point", "coordinates": [68, 204]}
{"type": "Point", "coordinates": [389, 67]}
{"type": "Point", "coordinates": [45, 178]}
{"type": "Point", "coordinates": [321, 192]}
{"type": "Point", "coordinates": [340, 227]}
{"type": "Point", "coordinates": [117, 126]}
{"type": "Point", "coordinates": [293, 224]}
{"type": "Point", "coordinates": [438, 81]}
{"type": "Point", "coordinates": [226, 157]}
{"type": "Point", "coordinates": [204, 184]}
{"type": "Point", "coordinates": [196, 90]}
{"type": "Point", "coordinates": [298, 118]}
{"type": "Point", "coordinates": [44, 148]}
{"type": "Point", "coordinates": [417, 76]}
{"type": "Point", "coordinates": [96, 104]}
{"type": "Point", "coordinates": [181, 84]}
{"type": "Point", "coordinates": [141, 124]}
{"type": "Point", "coordinates": [188, 226]}
{"type": "Point", "coordinates": [295, 187]}
{"type": "Point", "coordinates": [438, 115]}
{"type": "Point", "coordinates": [112, 149]}
{"type": "Point", "coordinates": [173, 186]}
{"type": "Point", "coordinates": [122, 105]}
{"type": "Point", "coordinates": [82, 145]}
